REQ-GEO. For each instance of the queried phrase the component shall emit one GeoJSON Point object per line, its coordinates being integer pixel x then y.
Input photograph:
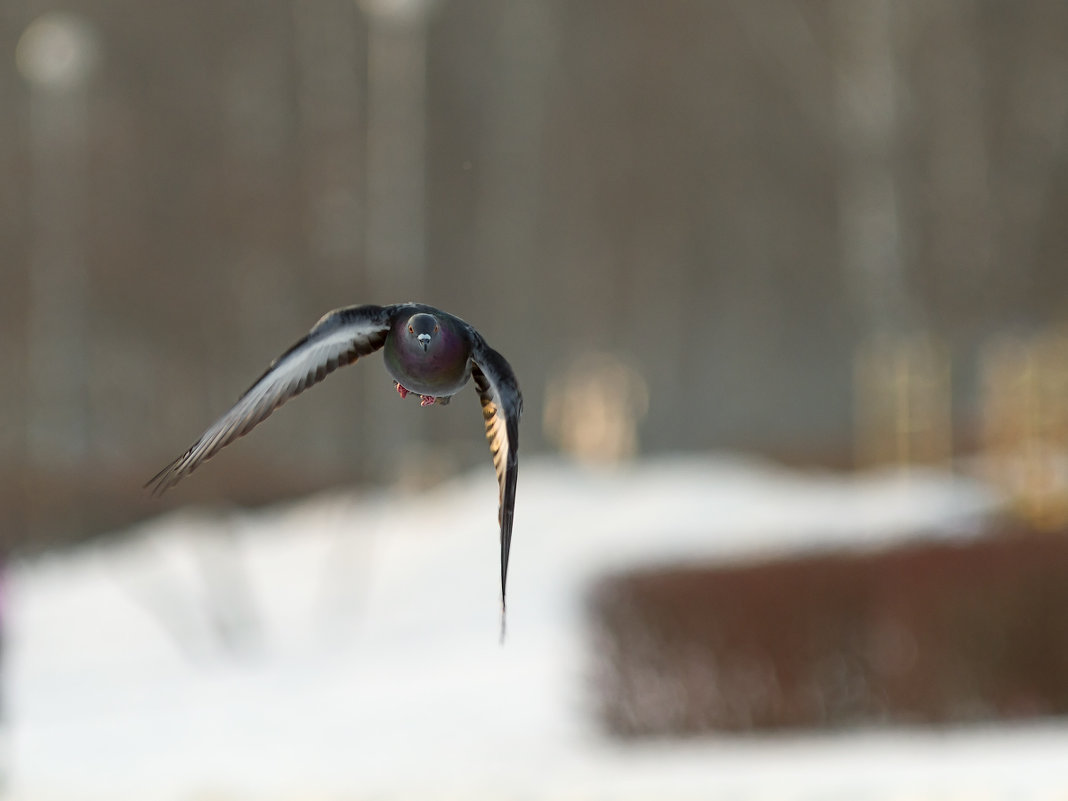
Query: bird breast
{"type": "Point", "coordinates": [440, 371]}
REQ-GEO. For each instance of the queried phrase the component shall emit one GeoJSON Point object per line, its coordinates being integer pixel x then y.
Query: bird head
{"type": "Point", "coordinates": [423, 328]}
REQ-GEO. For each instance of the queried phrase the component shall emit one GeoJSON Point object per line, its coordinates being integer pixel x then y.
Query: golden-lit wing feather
{"type": "Point", "coordinates": [502, 404]}
{"type": "Point", "coordinates": [338, 339]}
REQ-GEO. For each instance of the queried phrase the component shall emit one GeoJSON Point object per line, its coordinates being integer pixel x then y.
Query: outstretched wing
{"type": "Point", "coordinates": [338, 339]}
{"type": "Point", "coordinates": [502, 403]}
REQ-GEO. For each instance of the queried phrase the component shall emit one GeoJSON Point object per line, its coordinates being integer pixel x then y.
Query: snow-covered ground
{"type": "Point", "coordinates": [345, 647]}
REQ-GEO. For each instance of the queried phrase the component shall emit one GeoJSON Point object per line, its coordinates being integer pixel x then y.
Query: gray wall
{"type": "Point", "coordinates": [728, 195]}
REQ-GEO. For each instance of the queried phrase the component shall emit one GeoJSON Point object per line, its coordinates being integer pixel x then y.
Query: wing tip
{"type": "Point", "coordinates": [170, 475]}
{"type": "Point", "coordinates": [163, 480]}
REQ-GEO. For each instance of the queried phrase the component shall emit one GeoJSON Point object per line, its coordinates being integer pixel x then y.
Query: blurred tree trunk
{"type": "Point", "coordinates": [865, 91]}
{"type": "Point", "coordinates": [56, 54]}
{"type": "Point", "coordinates": [509, 273]}
{"type": "Point", "coordinates": [395, 244]}
{"type": "Point", "coordinates": [330, 53]}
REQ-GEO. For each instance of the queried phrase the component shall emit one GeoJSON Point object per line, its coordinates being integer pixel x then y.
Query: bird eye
{"type": "Point", "coordinates": [411, 330]}
{"type": "Point", "coordinates": [435, 329]}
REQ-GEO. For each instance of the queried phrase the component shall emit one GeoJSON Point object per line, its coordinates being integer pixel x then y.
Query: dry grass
{"type": "Point", "coordinates": [930, 633]}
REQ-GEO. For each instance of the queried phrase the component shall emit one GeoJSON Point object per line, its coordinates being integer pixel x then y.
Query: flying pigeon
{"type": "Point", "coordinates": [428, 352]}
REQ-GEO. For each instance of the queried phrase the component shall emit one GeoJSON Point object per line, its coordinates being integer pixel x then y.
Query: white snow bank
{"type": "Point", "coordinates": [345, 647]}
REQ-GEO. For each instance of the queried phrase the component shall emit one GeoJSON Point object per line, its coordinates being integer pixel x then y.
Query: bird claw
{"type": "Point", "coordinates": [424, 400]}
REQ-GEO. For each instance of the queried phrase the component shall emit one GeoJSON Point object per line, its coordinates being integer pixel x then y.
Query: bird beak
{"type": "Point", "coordinates": [424, 340]}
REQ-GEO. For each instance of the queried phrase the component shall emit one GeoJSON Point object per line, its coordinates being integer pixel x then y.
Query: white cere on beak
{"type": "Point", "coordinates": [424, 340]}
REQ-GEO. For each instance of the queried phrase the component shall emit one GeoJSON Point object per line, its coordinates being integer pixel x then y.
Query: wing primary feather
{"type": "Point", "coordinates": [502, 405]}
{"type": "Point", "coordinates": [340, 338]}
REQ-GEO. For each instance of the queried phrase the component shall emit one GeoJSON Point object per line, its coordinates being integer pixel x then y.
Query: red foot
{"type": "Point", "coordinates": [427, 400]}
{"type": "Point", "coordinates": [400, 390]}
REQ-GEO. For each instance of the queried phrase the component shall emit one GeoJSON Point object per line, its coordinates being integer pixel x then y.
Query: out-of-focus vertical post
{"type": "Point", "coordinates": [902, 374]}
{"type": "Point", "coordinates": [396, 143]}
{"type": "Point", "coordinates": [865, 93]}
{"type": "Point", "coordinates": [56, 54]}
{"type": "Point", "coordinates": [395, 241]}
{"type": "Point", "coordinates": [1025, 424]}
{"type": "Point", "coordinates": [330, 53]}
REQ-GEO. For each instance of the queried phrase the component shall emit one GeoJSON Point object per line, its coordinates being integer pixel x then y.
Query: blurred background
{"type": "Point", "coordinates": [825, 237]}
